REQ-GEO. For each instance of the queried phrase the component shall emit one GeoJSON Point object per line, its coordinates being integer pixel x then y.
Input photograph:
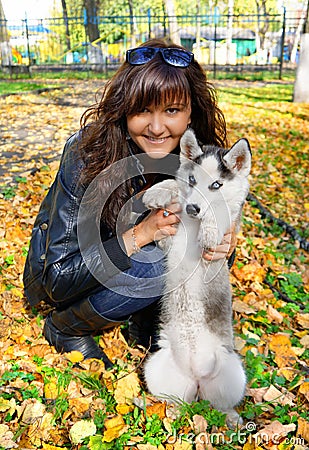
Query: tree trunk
{"type": "Point", "coordinates": [172, 21]}
{"type": "Point", "coordinates": [66, 22]}
{"type": "Point", "coordinates": [262, 29]}
{"type": "Point", "coordinates": [297, 35]}
{"type": "Point", "coordinates": [198, 31]}
{"type": "Point", "coordinates": [301, 86]}
{"type": "Point", "coordinates": [229, 36]}
{"type": "Point", "coordinates": [5, 48]}
{"type": "Point", "coordinates": [95, 55]}
{"type": "Point", "coordinates": [132, 24]}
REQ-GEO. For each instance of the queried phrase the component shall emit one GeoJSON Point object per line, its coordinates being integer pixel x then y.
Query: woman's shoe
{"type": "Point", "coordinates": [64, 343]}
{"type": "Point", "coordinates": [143, 328]}
{"type": "Point", "coordinates": [72, 329]}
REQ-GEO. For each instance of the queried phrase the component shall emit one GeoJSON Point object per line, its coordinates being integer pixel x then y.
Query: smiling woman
{"type": "Point", "coordinates": [157, 130]}
{"type": "Point", "coordinates": [113, 271]}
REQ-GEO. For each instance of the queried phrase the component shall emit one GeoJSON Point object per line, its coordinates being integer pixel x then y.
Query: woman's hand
{"type": "Point", "coordinates": [159, 224]}
{"type": "Point", "coordinates": [223, 250]}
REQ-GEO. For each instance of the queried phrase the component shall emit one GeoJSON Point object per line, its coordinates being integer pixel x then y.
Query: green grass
{"type": "Point", "coordinates": [270, 93]}
{"type": "Point", "coordinates": [14, 87]}
{"type": "Point", "coordinates": [39, 80]}
{"type": "Point", "coordinates": [262, 75]}
{"type": "Point", "coordinates": [72, 75]}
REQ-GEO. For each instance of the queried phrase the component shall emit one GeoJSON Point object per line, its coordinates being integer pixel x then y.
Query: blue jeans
{"type": "Point", "coordinates": [134, 289]}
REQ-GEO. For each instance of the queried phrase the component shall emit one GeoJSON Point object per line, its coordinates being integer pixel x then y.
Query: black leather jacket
{"type": "Point", "coordinates": [55, 271]}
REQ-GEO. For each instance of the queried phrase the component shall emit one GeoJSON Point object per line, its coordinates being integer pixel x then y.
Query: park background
{"type": "Point", "coordinates": [51, 401]}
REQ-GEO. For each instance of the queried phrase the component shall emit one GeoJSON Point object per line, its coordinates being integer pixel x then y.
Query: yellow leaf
{"type": "Point", "coordinates": [250, 272]}
{"type": "Point", "coordinates": [40, 429]}
{"type": "Point", "coordinates": [167, 423]}
{"type": "Point", "coordinates": [115, 427]}
{"type": "Point", "coordinates": [289, 373]}
{"type": "Point", "coordinates": [74, 356]}
{"type": "Point", "coordinates": [127, 388]}
{"type": "Point", "coordinates": [156, 408]}
{"type": "Point", "coordinates": [249, 446]}
{"type": "Point", "coordinates": [113, 422]}
{"type": "Point", "coordinates": [51, 447]}
{"type": "Point", "coordinates": [3, 288]}
{"type": "Point", "coordinates": [305, 340]}
{"type": "Point", "coordinates": [304, 389]}
{"type": "Point", "coordinates": [303, 428]}
{"type": "Point", "coordinates": [18, 292]}
{"type": "Point", "coordinates": [146, 447]}
{"type": "Point", "coordinates": [4, 404]}
{"type": "Point", "coordinates": [303, 320]}
{"type": "Point", "coordinates": [183, 446]}
{"type": "Point", "coordinates": [273, 315]}
{"type": "Point", "coordinates": [285, 446]}
{"type": "Point", "coordinates": [10, 350]}
{"type": "Point", "coordinates": [51, 390]}
{"type": "Point", "coordinates": [80, 405]}
{"type": "Point", "coordinates": [124, 409]}
{"type": "Point", "coordinates": [281, 345]}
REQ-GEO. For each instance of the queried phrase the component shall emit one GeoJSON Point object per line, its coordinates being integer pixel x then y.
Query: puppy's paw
{"type": "Point", "coordinates": [208, 234]}
{"type": "Point", "coordinates": [233, 419]}
{"type": "Point", "coordinates": [160, 195]}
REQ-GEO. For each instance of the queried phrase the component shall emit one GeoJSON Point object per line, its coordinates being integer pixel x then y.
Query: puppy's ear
{"type": "Point", "coordinates": [238, 158]}
{"type": "Point", "coordinates": [189, 147]}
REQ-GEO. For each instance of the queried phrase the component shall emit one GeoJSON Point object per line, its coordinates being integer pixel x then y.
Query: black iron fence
{"type": "Point", "coordinates": [232, 42]}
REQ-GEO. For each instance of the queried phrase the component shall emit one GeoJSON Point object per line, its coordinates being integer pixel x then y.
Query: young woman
{"type": "Point", "coordinates": [92, 253]}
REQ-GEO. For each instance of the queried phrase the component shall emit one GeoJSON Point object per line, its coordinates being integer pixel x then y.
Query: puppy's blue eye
{"type": "Point", "coordinates": [192, 180]}
{"type": "Point", "coordinates": [215, 185]}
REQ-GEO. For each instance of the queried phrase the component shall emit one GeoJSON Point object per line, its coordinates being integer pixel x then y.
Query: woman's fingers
{"type": "Point", "coordinates": [223, 250]}
{"type": "Point", "coordinates": [219, 252]}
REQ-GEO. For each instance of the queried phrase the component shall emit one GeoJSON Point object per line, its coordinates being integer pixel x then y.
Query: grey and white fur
{"type": "Point", "coordinates": [196, 357]}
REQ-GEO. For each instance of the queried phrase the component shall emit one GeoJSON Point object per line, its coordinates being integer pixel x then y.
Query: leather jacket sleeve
{"type": "Point", "coordinates": [55, 270]}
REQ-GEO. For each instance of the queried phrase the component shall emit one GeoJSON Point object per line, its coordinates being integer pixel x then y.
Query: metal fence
{"type": "Point", "coordinates": [232, 42]}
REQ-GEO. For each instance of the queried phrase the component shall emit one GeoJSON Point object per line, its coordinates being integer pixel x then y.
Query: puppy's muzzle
{"type": "Point", "coordinates": [192, 209]}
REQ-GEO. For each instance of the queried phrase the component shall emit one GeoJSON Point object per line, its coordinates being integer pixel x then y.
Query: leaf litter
{"type": "Point", "coordinates": [51, 401]}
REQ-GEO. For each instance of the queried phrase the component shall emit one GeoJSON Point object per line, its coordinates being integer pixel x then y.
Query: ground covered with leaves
{"type": "Point", "coordinates": [51, 401]}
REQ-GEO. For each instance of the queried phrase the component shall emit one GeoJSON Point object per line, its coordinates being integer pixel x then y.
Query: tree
{"type": "Point", "coordinates": [95, 55]}
{"type": "Point", "coordinates": [5, 49]}
{"type": "Point", "coordinates": [132, 24]}
{"type": "Point", "coordinates": [172, 21]}
{"type": "Point", "coordinates": [301, 86]}
{"type": "Point", "coordinates": [66, 21]}
{"type": "Point", "coordinates": [263, 21]}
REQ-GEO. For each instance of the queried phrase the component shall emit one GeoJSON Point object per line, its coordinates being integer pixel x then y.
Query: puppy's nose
{"type": "Point", "coordinates": [192, 209]}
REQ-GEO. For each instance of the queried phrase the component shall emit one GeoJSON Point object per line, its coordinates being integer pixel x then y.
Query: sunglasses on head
{"type": "Point", "coordinates": [172, 56]}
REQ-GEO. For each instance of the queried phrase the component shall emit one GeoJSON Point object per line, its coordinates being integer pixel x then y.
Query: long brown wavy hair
{"type": "Point", "coordinates": [130, 91]}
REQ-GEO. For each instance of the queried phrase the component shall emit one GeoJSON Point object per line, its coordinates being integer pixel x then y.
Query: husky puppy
{"type": "Point", "coordinates": [196, 358]}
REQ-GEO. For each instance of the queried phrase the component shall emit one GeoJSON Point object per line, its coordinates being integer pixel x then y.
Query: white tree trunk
{"type": "Point", "coordinates": [301, 86]}
{"type": "Point", "coordinates": [172, 20]}
{"type": "Point", "coordinates": [229, 36]}
{"type": "Point", "coordinates": [198, 30]}
{"type": "Point", "coordinates": [297, 36]}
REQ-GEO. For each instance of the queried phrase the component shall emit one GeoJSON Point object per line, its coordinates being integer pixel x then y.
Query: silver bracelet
{"type": "Point", "coordinates": [136, 248]}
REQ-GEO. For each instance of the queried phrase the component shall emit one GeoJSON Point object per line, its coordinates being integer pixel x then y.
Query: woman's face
{"type": "Point", "coordinates": [157, 130]}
